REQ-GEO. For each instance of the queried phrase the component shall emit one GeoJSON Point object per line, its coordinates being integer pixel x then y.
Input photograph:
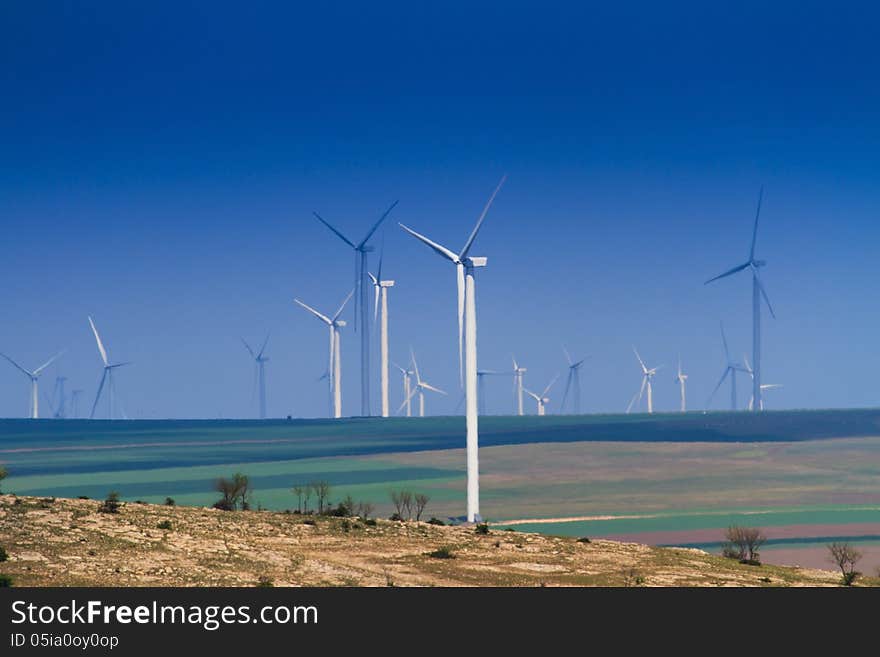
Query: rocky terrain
{"type": "Point", "coordinates": [65, 542]}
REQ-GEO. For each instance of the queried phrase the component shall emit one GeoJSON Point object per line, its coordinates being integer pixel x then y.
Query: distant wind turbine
{"type": "Point", "coordinates": [573, 383]}
{"type": "Point", "coordinates": [465, 264]}
{"type": "Point", "coordinates": [731, 368]}
{"type": "Point", "coordinates": [74, 403]}
{"type": "Point", "coordinates": [34, 376]}
{"type": "Point", "coordinates": [419, 388]}
{"type": "Point", "coordinates": [334, 367]}
{"type": "Point", "coordinates": [542, 399]}
{"type": "Point", "coordinates": [764, 386]}
{"type": "Point", "coordinates": [360, 308]}
{"type": "Point", "coordinates": [407, 397]}
{"type": "Point", "coordinates": [681, 379]}
{"type": "Point", "coordinates": [757, 292]}
{"type": "Point", "coordinates": [260, 362]}
{"type": "Point", "coordinates": [647, 377]}
{"type": "Point", "coordinates": [380, 313]}
{"type": "Point", "coordinates": [106, 376]}
{"type": "Point", "coordinates": [518, 389]}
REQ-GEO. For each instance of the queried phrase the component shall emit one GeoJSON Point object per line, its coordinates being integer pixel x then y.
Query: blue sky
{"type": "Point", "coordinates": [159, 167]}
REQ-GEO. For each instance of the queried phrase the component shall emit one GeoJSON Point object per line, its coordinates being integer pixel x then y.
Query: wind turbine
{"type": "Point", "coordinates": [465, 264]}
{"type": "Point", "coordinates": [647, 376]}
{"type": "Point", "coordinates": [573, 382]}
{"type": "Point", "coordinates": [361, 249]}
{"type": "Point", "coordinates": [106, 376]}
{"type": "Point", "coordinates": [542, 399]}
{"type": "Point", "coordinates": [334, 368]}
{"type": "Point", "coordinates": [518, 385]}
{"type": "Point", "coordinates": [681, 379]}
{"type": "Point", "coordinates": [757, 292]}
{"type": "Point", "coordinates": [764, 386]}
{"type": "Point", "coordinates": [407, 397]}
{"type": "Point", "coordinates": [381, 288]}
{"type": "Point", "coordinates": [260, 361]}
{"type": "Point", "coordinates": [74, 403]}
{"type": "Point", "coordinates": [420, 388]}
{"type": "Point", "coordinates": [731, 369]}
{"type": "Point", "coordinates": [34, 376]}
{"type": "Point", "coordinates": [481, 389]}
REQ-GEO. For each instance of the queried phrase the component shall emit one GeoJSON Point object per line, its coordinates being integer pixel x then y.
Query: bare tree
{"type": "Point", "coordinates": [744, 543]}
{"type": "Point", "coordinates": [322, 492]}
{"type": "Point", "coordinates": [365, 510]}
{"type": "Point", "coordinates": [407, 501]}
{"type": "Point", "coordinates": [846, 557]}
{"type": "Point", "coordinates": [397, 501]}
{"type": "Point", "coordinates": [421, 501]}
{"type": "Point", "coordinates": [235, 492]}
{"type": "Point", "coordinates": [307, 495]}
{"type": "Point", "coordinates": [299, 490]}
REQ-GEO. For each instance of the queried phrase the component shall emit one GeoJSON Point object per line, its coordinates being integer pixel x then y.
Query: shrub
{"type": "Point", "coordinates": [370, 522]}
{"type": "Point", "coordinates": [165, 524]}
{"type": "Point", "coordinates": [442, 553]}
{"type": "Point", "coordinates": [234, 493]}
{"type": "Point", "coordinates": [84, 497]}
{"type": "Point", "coordinates": [583, 539]}
{"type": "Point", "coordinates": [5, 581]}
{"type": "Point", "coordinates": [345, 525]}
{"type": "Point", "coordinates": [396, 517]}
{"type": "Point", "coordinates": [4, 556]}
{"type": "Point", "coordinates": [264, 582]}
{"type": "Point", "coordinates": [482, 529]}
{"type": "Point", "coordinates": [743, 543]}
{"type": "Point", "coordinates": [169, 501]}
{"type": "Point", "coordinates": [110, 504]}
{"type": "Point", "coordinates": [309, 521]}
{"type": "Point", "coordinates": [436, 521]}
{"type": "Point", "coordinates": [510, 529]}
{"type": "Point", "coordinates": [349, 505]}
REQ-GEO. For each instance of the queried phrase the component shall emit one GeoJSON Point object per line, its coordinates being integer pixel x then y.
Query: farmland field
{"type": "Point", "coordinates": [805, 477]}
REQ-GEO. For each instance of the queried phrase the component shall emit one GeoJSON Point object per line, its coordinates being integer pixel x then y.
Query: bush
{"type": "Point", "coordinates": [309, 521]}
{"type": "Point", "coordinates": [510, 529]}
{"type": "Point", "coordinates": [442, 553]}
{"type": "Point", "coordinates": [165, 524]}
{"type": "Point", "coordinates": [4, 556]}
{"type": "Point", "coordinates": [5, 581]}
{"type": "Point", "coordinates": [583, 539]}
{"type": "Point", "coordinates": [743, 544]}
{"type": "Point", "coordinates": [264, 582]}
{"type": "Point", "coordinates": [345, 525]}
{"type": "Point", "coordinates": [436, 521]}
{"type": "Point", "coordinates": [84, 497]}
{"type": "Point", "coordinates": [110, 504]}
{"type": "Point", "coordinates": [370, 522]}
{"type": "Point", "coordinates": [396, 517]}
{"type": "Point", "coordinates": [169, 501]}
{"type": "Point", "coordinates": [482, 529]}
{"type": "Point", "coordinates": [234, 493]}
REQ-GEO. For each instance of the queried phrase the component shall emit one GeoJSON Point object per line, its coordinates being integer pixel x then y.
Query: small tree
{"type": "Point", "coordinates": [397, 501]}
{"type": "Point", "coordinates": [169, 501]}
{"type": "Point", "coordinates": [365, 510]}
{"type": "Point", "coordinates": [421, 501]}
{"type": "Point", "coordinates": [407, 501]}
{"type": "Point", "coordinates": [3, 474]}
{"type": "Point", "coordinates": [322, 492]}
{"type": "Point", "coordinates": [743, 544]}
{"type": "Point", "coordinates": [307, 495]}
{"type": "Point", "coordinates": [846, 557]}
{"type": "Point", "coordinates": [234, 493]}
{"type": "Point", "coordinates": [111, 504]}
{"type": "Point", "coordinates": [299, 490]}
{"type": "Point", "coordinates": [349, 505]}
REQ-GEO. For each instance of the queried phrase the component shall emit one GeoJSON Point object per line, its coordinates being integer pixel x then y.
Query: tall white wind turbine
{"type": "Point", "coordinates": [518, 389]}
{"type": "Point", "coordinates": [647, 377]}
{"type": "Point", "coordinates": [764, 386]}
{"type": "Point", "coordinates": [419, 389]}
{"type": "Point", "coordinates": [380, 314]}
{"type": "Point", "coordinates": [362, 323]}
{"type": "Point", "coordinates": [573, 383]}
{"type": "Point", "coordinates": [542, 399]}
{"type": "Point", "coordinates": [260, 362]}
{"type": "Point", "coordinates": [34, 376]}
{"type": "Point", "coordinates": [757, 292]}
{"type": "Point", "coordinates": [730, 369]}
{"type": "Point", "coordinates": [681, 379]}
{"type": "Point", "coordinates": [106, 376]}
{"type": "Point", "coordinates": [465, 264]}
{"type": "Point", "coordinates": [334, 367]}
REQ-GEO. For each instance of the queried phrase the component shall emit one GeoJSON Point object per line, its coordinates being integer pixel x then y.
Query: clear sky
{"type": "Point", "coordinates": [159, 165]}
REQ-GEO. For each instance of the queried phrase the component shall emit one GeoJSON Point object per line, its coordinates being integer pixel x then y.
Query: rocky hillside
{"type": "Point", "coordinates": [63, 542]}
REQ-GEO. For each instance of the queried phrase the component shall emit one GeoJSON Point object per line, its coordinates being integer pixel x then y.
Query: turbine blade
{"type": "Point", "coordinates": [461, 294]}
{"type": "Point", "coordinates": [631, 402]}
{"type": "Point", "coordinates": [263, 348]}
{"type": "Point", "coordinates": [549, 385]}
{"type": "Point", "coordinates": [642, 390]}
{"type": "Point", "coordinates": [412, 356]}
{"type": "Point", "coordinates": [428, 386]}
{"type": "Point", "coordinates": [98, 340]}
{"type": "Point", "coordinates": [16, 364]}
{"type": "Point", "coordinates": [473, 236]}
{"type": "Point", "coordinates": [567, 387]}
{"type": "Point", "coordinates": [323, 318]}
{"type": "Point", "coordinates": [531, 394]}
{"type": "Point", "coordinates": [339, 312]}
{"type": "Point", "coordinates": [376, 225]}
{"type": "Point", "coordinates": [376, 290]}
{"type": "Point", "coordinates": [412, 394]}
{"type": "Point", "coordinates": [441, 250]}
{"type": "Point", "coordinates": [248, 347]}
{"type": "Point", "coordinates": [728, 273]}
{"type": "Point", "coordinates": [720, 381]}
{"type": "Point", "coordinates": [764, 294]}
{"type": "Point", "coordinates": [567, 355]}
{"type": "Point", "coordinates": [48, 362]}
{"type": "Point", "coordinates": [641, 362]}
{"type": "Point", "coordinates": [340, 235]}
{"type": "Point", "coordinates": [724, 340]}
{"type": "Point", "coordinates": [755, 229]}
{"type": "Point", "coordinates": [98, 396]}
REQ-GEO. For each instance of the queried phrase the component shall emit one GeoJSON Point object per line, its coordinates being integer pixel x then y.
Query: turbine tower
{"type": "Point", "coordinates": [334, 367]}
{"type": "Point", "coordinates": [647, 376]}
{"type": "Point", "coordinates": [681, 379]}
{"type": "Point", "coordinates": [381, 302]}
{"type": "Point", "coordinates": [573, 383]}
{"type": "Point", "coordinates": [260, 362]}
{"type": "Point", "coordinates": [465, 265]}
{"type": "Point", "coordinates": [542, 399]}
{"type": "Point", "coordinates": [731, 369]}
{"type": "Point", "coordinates": [420, 388]}
{"type": "Point", "coordinates": [407, 397]}
{"type": "Point", "coordinates": [758, 291]}
{"type": "Point", "coordinates": [764, 386]}
{"type": "Point", "coordinates": [34, 376]}
{"type": "Point", "coordinates": [518, 385]}
{"type": "Point", "coordinates": [74, 403]}
{"type": "Point", "coordinates": [106, 376]}
{"type": "Point", "coordinates": [361, 249]}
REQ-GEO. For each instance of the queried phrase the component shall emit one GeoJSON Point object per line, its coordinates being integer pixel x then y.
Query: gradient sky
{"type": "Point", "coordinates": [159, 166]}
